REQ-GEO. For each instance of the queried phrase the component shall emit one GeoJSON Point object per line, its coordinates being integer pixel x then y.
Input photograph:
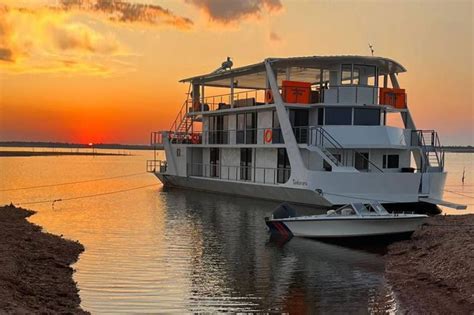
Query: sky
{"type": "Point", "coordinates": [107, 71]}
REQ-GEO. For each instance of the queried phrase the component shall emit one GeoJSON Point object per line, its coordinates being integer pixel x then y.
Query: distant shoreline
{"type": "Point", "coordinates": [467, 149]}
{"type": "Point", "coordinates": [52, 153]}
{"type": "Point", "coordinates": [37, 144]}
{"type": "Point", "coordinates": [32, 144]}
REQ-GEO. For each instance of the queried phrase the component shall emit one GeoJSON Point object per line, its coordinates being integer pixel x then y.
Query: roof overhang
{"type": "Point", "coordinates": [304, 68]}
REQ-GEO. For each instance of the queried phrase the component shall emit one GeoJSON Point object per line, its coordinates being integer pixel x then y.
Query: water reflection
{"type": "Point", "coordinates": [154, 250]}
{"type": "Point", "coordinates": [235, 266]}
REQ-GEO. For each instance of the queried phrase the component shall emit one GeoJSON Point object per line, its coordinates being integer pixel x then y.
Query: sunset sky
{"type": "Point", "coordinates": [108, 70]}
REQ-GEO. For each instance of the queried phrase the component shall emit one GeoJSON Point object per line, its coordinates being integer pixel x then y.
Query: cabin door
{"type": "Point", "coordinates": [214, 162]}
{"type": "Point", "coordinates": [361, 161]}
{"type": "Point", "coordinates": [284, 168]}
{"type": "Point", "coordinates": [245, 164]}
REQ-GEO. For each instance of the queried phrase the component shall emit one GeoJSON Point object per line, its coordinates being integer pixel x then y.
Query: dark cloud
{"type": "Point", "coordinates": [234, 10]}
{"type": "Point", "coordinates": [6, 54]}
{"type": "Point", "coordinates": [126, 12]}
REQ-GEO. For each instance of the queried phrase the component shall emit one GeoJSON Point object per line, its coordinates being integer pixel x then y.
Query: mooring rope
{"type": "Point", "coordinates": [75, 182]}
{"type": "Point", "coordinates": [86, 196]}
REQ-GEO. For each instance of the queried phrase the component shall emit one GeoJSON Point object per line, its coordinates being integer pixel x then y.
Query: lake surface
{"type": "Point", "coordinates": [154, 250]}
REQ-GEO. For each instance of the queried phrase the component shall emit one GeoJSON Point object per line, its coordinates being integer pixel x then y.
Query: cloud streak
{"type": "Point", "coordinates": [232, 11]}
{"type": "Point", "coordinates": [45, 38]}
{"type": "Point", "coordinates": [41, 40]}
{"type": "Point", "coordinates": [126, 12]}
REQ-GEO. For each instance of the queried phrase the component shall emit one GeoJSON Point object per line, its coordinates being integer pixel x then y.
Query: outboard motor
{"type": "Point", "coordinates": [283, 211]}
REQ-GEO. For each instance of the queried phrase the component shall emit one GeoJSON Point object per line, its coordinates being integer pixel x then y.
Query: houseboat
{"type": "Point", "coordinates": [319, 130]}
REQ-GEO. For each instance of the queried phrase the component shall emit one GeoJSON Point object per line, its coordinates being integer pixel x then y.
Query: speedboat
{"type": "Point", "coordinates": [349, 221]}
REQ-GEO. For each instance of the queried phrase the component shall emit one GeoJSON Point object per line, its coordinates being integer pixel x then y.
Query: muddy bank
{"type": "Point", "coordinates": [35, 273]}
{"type": "Point", "coordinates": [433, 273]}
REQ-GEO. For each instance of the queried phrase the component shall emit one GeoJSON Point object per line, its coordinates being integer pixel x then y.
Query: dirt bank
{"type": "Point", "coordinates": [35, 276]}
{"type": "Point", "coordinates": [433, 273]}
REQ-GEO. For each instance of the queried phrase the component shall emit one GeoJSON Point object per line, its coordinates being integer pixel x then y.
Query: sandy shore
{"type": "Point", "coordinates": [433, 273]}
{"type": "Point", "coordinates": [35, 273]}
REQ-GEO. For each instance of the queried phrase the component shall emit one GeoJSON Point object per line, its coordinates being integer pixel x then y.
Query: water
{"type": "Point", "coordinates": [154, 250]}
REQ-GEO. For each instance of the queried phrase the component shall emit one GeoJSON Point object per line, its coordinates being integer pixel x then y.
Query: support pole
{"type": "Point", "coordinates": [298, 170]}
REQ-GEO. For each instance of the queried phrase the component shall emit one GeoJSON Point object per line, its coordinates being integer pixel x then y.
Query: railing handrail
{"type": "Point", "coordinates": [219, 171]}
{"type": "Point", "coordinates": [434, 144]}
{"type": "Point", "coordinates": [326, 135]}
{"type": "Point", "coordinates": [235, 93]}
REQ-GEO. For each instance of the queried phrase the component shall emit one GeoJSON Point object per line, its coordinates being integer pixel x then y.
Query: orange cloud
{"type": "Point", "coordinates": [41, 40]}
{"type": "Point", "coordinates": [226, 12]}
{"type": "Point", "coordinates": [59, 39]}
{"type": "Point", "coordinates": [126, 12]}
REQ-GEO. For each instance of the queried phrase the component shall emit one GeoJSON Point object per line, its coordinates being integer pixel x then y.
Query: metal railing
{"type": "Point", "coordinates": [156, 166]}
{"type": "Point", "coordinates": [240, 136]}
{"type": "Point", "coordinates": [225, 101]}
{"type": "Point", "coordinates": [262, 175]}
{"type": "Point", "coordinates": [428, 141]}
{"type": "Point", "coordinates": [319, 137]}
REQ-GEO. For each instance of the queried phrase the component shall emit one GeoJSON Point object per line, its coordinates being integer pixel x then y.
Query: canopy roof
{"type": "Point", "coordinates": [307, 69]}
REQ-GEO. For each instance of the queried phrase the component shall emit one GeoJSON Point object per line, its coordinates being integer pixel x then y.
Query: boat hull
{"type": "Point", "coordinates": [346, 227]}
{"type": "Point", "coordinates": [268, 192]}
{"type": "Point", "coordinates": [275, 193]}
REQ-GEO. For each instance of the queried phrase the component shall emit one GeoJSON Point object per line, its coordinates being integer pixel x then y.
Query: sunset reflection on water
{"type": "Point", "coordinates": [172, 250]}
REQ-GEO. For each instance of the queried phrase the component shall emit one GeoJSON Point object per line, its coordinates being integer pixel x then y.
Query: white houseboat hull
{"type": "Point", "coordinates": [402, 200]}
{"type": "Point", "coordinates": [246, 189]}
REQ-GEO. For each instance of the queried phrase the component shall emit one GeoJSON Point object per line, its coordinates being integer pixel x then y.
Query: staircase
{"type": "Point", "coordinates": [430, 146]}
{"type": "Point", "coordinates": [324, 141]}
{"type": "Point", "coordinates": [183, 123]}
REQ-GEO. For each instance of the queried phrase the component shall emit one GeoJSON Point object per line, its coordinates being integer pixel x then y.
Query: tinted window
{"type": "Point", "coordinates": [366, 116]}
{"type": "Point", "coordinates": [284, 168]}
{"type": "Point", "coordinates": [391, 161]}
{"type": "Point", "coordinates": [346, 74]}
{"type": "Point", "coordinates": [320, 116]}
{"type": "Point", "coordinates": [338, 116]}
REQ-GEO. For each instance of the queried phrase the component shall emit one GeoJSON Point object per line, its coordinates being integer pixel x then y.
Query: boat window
{"type": "Point", "coordinates": [299, 122]}
{"type": "Point", "coordinates": [320, 116]}
{"type": "Point", "coordinates": [391, 161]}
{"type": "Point", "coordinates": [361, 161]}
{"type": "Point", "coordinates": [355, 76]}
{"type": "Point", "coordinates": [214, 162]}
{"type": "Point", "coordinates": [246, 164]}
{"type": "Point", "coordinates": [218, 129]}
{"type": "Point", "coordinates": [277, 137]}
{"type": "Point", "coordinates": [251, 128]}
{"type": "Point", "coordinates": [366, 75]}
{"type": "Point", "coordinates": [283, 164]}
{"type": "Point", "coordinates": [346, 74]}
{"type": "Point", "coordinates": [366, 116]}
{"type": "Point", "coordinates": [246, 128]}
{"type": "Point", "coordinates": [338, 116]}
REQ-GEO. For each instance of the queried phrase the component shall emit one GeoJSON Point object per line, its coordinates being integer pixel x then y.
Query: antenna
{"type": "Point", "coordinates": [371, 49]}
